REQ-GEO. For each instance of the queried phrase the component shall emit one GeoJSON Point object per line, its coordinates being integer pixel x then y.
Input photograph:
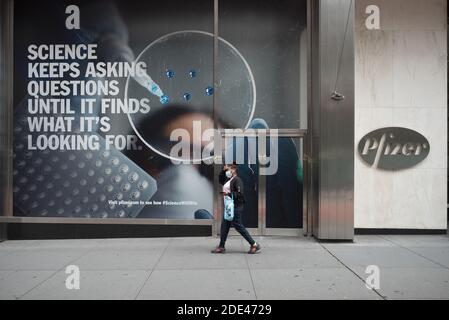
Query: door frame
{"type": "Point", "coordinates": [262, 229]}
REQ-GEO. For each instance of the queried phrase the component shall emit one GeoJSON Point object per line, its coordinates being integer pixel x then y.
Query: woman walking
{"type": "Point", "coordinates": [233, 187]}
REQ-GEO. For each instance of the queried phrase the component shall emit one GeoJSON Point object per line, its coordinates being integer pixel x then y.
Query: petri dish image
{"type": "Point", "coordinates": [179, 85]}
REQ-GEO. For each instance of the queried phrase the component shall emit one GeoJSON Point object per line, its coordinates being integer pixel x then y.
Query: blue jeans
{"type": "Point", "coordinates": [237, 224]}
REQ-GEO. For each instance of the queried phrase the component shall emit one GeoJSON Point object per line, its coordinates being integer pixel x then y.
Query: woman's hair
{"type": "Point", "coordinates": [234, 166]}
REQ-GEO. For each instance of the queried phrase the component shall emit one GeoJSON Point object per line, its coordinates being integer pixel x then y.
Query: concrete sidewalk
{"type": "Point", "coordinates": [411, 267]}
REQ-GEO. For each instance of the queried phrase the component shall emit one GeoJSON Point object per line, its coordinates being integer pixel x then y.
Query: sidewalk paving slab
{"type": "Point", "coordinates": [120, 258]}
{"type": "Point", "coordinates": [439, 255]}
{"type": "Point", "coordinates": [412, 283]}
{"type": "Point", "coordinates": [63, 243]}
{"type": "Point", "coordinates": [318, 283]}
{"type": "Point", "coordinates": [196, 254]}
{"type": "Point", "coordinates": [41, 258]}
{"type": "Point", "coordinates": [290, 258]}
{"type": "Point", "coordinates": [14, 284]}
{"type": "Point", "coordinates": [286, 242]}
{"type": "Point", "coordinates": [137, 243]}
{"type": "Point", "coordinates": [380, 256]}
{"type": "Point", "coordinates": [419, 240]}
{"type": "Point", "coordinates": [8, 247]}
{"type": "Point", "coordinates": [94, 285]}
{"type": "Point", "coordinates": [199, 284]}
{"type": "Point", "coordinates": [361, 241]}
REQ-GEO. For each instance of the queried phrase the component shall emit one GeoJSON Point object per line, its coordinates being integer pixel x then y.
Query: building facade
{"type": "Point", "coordinates": [401, 81]}
{"type": "Point", "coordinates": [349, 95]}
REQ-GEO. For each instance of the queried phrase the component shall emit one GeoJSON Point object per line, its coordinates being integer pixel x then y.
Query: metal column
{"type": "Point", "coordinates": [6, 90]}
{"type": "Point", "coordinates": [332, 119]}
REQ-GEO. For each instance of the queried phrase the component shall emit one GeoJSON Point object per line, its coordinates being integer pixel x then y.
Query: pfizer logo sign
{"type": "Point", "coordinates": [393, 148]}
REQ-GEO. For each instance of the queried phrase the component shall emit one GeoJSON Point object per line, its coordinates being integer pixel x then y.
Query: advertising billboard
{"type": "Point", "coordinates": [98, 86]}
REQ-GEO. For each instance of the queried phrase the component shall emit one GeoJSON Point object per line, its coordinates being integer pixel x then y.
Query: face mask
{"type": "Point", "coordinates": [228, 174]}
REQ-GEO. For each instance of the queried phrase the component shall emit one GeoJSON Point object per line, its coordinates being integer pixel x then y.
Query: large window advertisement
{"type": "Point", "coordinates": [98, 88]}
{"type": "Point", "coordinates": [117, 104]}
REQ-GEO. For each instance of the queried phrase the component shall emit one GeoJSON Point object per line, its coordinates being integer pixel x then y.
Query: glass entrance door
{"type": "Point", "coordinates": [271, 167]}
{"type": "Point", "coordinates": [281, 193]}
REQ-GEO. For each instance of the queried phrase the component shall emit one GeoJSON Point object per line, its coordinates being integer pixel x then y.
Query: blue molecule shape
{"type": "Point", "coordinates": [192, 73]}
{"type": "Point", "coordinates": [164, 99]}
{"type": "Point", "coordinates": [170, 73]}
{"type": "Point", "coordinates": [187, 96]}
{"type": "Point", "coordinates": [154, 88]}
{"type": "Point", "coordinates": [209, 91]}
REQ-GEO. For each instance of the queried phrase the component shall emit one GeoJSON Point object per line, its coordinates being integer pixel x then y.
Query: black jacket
{"type": "Point", "coordinates": [236, 188]}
